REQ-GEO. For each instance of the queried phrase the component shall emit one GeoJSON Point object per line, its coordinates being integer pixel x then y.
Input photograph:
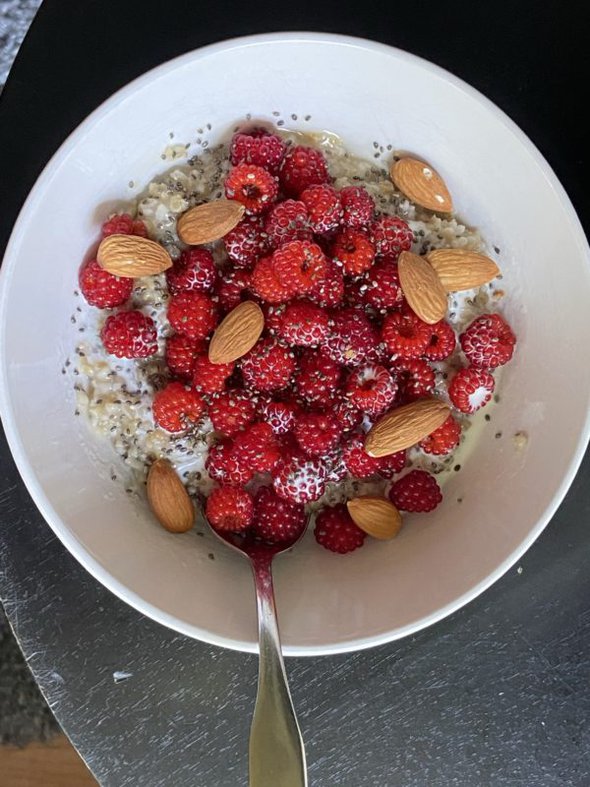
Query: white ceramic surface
{"type": "Point", "coordinates": [365, 92]}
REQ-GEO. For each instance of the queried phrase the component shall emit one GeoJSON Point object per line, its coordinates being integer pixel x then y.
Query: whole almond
{"type": "Point", "coordinates": [376, 516]}
{"type": "Point", "coordinates": [422, 287]}
{"type": "Point", "coordinates": [168, 498]}
{"type": "Point", "coordinates": [210, 221]}
{"type": "Point", "coordinates": [132, 256]}
{"type": "Point", "coordinates": [462, 269]}
{"type": "Point", "coordinates": [421, 184]}
{"type": "Point", "coordinates": [405, 426]}
{"type": "Point", "coordinates": [237, 333]}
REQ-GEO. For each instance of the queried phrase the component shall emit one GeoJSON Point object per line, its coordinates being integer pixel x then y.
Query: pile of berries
{"type": "Point", "coordinates": [341, 346]}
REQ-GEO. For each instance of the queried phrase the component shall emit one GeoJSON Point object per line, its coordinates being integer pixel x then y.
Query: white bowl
{"type": "Point", "coordinates": [364, 91]}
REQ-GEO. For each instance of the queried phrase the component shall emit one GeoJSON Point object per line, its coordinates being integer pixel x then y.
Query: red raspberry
{"type": "Point", "coordinates": [223, 465]}
{"type": "Point", "coordinates": [193, 314]}
{"type": "Point", "coordinates": [443, 439]}
{"type": "Point", "coordinates": [488, 342]}
{"type": "Point", "coordinates": [329, 291]}
{"type": "Point", "coordinates": [130, 335]}
{"type": "Point", "coordinates": [405, 334]}
{"type": "Point", "coordinates": [231, 288]}
{"type": "Point", "coordinates": [256, 448]}
{"type": "Point", "coordinates": [210, 378]}
{"type": "Point", "coordinates": [318, 377]}
{"type": "Point", "coordinates": [287, 221]}
{"type": "Point", "coordinates": [302, 167]}
{"type": "Point", "coordinates": [277, 520]}
{"type": "Point", "coordinates": [335, 530]}
{"type": "Point", "coordinates": [324, 207]}
{"type": "Point", "coordinates": [101, 288]}
{"type": "Point", "coordinates": [257, 146]}
{"type": "Point", "coordinates": [383, 291]}
{"type": "Point", "coordinates": [415, 378]}
{"type": "Point", "coordinates": [246, 242]}
{"type": "Point", "coordinates": [123, 224]}
{"type": "Point", "coordinates": [358, 206]}
{"type": "Point", "coordinates": [300, 480]}
{"type": "Point", "coordinates": [229, 508]}
{"type": "Point", "coordinates": [354, 251]}
{"type": "Point", "coordinates": [353, 339]}
{"type": "Point", "coordinates": [194, 270]}
{"type": "Point", "coordinates": [357, 460]}
{"type": "Point", "coordinates": [442, 342]}
{"type": "Point", "coordinates": [231, 411]}
{"type": "Point", "coordinates": [267, 284]}
{"type": "Point", "coordinates": [268, 366]}
{"type": "Point", "coordinates": [371, 388]}
{"type": "Point", "coordinates": [175, 407]}
{"type": "Point", "coordinates": [418, 491]}
{"type": "Point", "coordinates": [335, 468]}
{"type": "Point", "coordinates": [471, 389]}
{"type": "Point", "coordinates": [303, 324]}
{"type": "Point", "coordinates": [347, 415]}
{"type": "Point", "coordinates": [317, 433]}
{"type": "Point", "coordinates": [392, 464]}
{"type": "Point", "coordinates": [290, 450]}
{"type": "Point", "coordinates": [299, 265]}
{"type": "Point", "coordinates": [253, 186]}
{"type": "Point", "coordinates": [181, 353]}
{"type": "Point", "coordinates": [391, 236]}
{"type": "Point", "coordinates": [280, 416]}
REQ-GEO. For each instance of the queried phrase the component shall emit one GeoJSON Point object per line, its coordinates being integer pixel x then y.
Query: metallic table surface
{"type": "Point", "coordinates": [497, 694]}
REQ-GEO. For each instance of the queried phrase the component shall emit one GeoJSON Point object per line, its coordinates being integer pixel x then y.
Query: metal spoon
{"type": "Point", "coordinates": [276, 752]}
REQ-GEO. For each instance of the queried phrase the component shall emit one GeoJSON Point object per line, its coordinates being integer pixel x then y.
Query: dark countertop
{"type": "Point", "coordinates": [497, 694]}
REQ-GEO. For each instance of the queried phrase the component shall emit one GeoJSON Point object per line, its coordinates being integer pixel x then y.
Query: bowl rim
{"type": "Point", "coordinates": [91, 564]}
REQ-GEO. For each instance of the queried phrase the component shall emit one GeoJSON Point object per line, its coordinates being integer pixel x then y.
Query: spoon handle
{"type": "Point", "coordinates": [277, 756]}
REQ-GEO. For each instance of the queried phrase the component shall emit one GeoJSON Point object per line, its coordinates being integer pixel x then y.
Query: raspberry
{"type": "Point", "coordinates": [181, 353]}
{"type": "Point", "coordinates": [329, 291]}
{"type": "Point", "coordinates": [417, 491]}
{"type": "Point", "coordinates": [123, 224]}
{"type": "Point", "coordinates": [290, 450]}
{"type": "Point", "coordinates": [229, 508]}
{"type": "Point", "coordinates": [302, 167]}
{"type": "Point", "coordinates": [442, 342]}
{"type": "Point", "coordinates": [256, 448]}
{"type": "Point", "coordinates": [371, 388]}
{"type": "Point", "coordinates": [324, 207]}
{"type": "Point", "coordinates": [303, 324]}
{"type": "Point", "coordinates": [488, 342]}
{"type": "Point", "coordinates": [383, 291]}
{"type": "Point", "coordinates": [353, 339]}
{"type": "Point", "coordinates": [253, 186]}
{"type": "Point", "coordinates": [354, 251]}
{"type": "Point", "coordinates": [280, 416]}
{"type": "Point", "coordinates": [223, 465]}
{"type": "Point", "coordinates": [257, 146]}
{"type": "Point", "coordinates": [443, 439]}
{"type": "Point", "coordinates": [335, 530]}
{"type": "Point", "coordinates": [210, 378]}
{"type": "Point", "coordinates": [392, 464]}
{"type": "Point", "coordinates": [268, 366]}
{"type": "Point", "coordinates": [300, 480]}
{"type": "Point", "coordinates": [231, 411]}
{"type": "Point", "coordinates": [277, 520]}
{"type": "Point", "coordinates": [336, 470]}
{"type": "Point", "coordinates": [318, 377]}
{"type": "Point", "coordinates": [347, 415]}
{"type": "Point", "coordinates": [194, 270]}
{"type": "Point", "coordinates": [391, 236]}
{"type": "Point", "coordinates": [101, 288]}
{"type": "Point", "coordinates": [130, 335]}
{"type": "Point", "coordinates": [415, 378]}
{"type": "Point", "coordinates": [193, 314]}
{"type": "Point", "coordinates": [358, 206]}
{"type": "Point", "coordinates": [266, 284]}
{"type": "Point", "coordinates": [174, 407]}
{"type": "Point", "coordinates": [471, 389]}
{"type": "Point", "coordinates": [231, 288]}
{"type": "Point", "coordinates": [405, 334]}
{"type": "Point", "coordinates": [287, 221]}
{"type": "Point", "coordinates": [246, 242]}
{"type": "Point", "coordinates": [299, 265]}
{"type": "Point", "coordinates": [357, 460]}
{"type": "Point", "coordinates": [317, 433]}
